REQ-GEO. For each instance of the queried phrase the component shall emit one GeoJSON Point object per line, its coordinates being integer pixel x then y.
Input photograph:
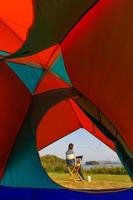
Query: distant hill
{"type": "Point", "coordinates": [92, 162]}
{"type": "Point", "coordinates": [102, 162]}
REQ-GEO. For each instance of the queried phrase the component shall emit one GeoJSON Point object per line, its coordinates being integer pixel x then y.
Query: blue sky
{"type": "Point", "coordinates": [84, 144]}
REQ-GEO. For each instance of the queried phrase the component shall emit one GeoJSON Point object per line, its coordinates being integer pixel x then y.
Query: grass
{"type": "Point", "coordinates": [99, 181]}
{"type": "Point", "coordinates": [102, 178]}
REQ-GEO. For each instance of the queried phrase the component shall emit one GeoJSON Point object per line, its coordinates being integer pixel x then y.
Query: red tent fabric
{"type": "Point", "coordinates": [95, 43]}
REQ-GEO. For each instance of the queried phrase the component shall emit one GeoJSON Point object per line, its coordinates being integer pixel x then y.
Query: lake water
{"type": "Point", "coordinates": [101, 165]}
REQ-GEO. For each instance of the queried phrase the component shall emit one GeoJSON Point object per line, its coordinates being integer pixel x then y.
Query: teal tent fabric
{"type": "Point", "coordinates": [24, 167]}
{"type": "Point", "coordinates": [29, 75]}
{"type": "Point", "coordinates": [3, 53]}
{"type": "Point", "coordinates": [59, 69]}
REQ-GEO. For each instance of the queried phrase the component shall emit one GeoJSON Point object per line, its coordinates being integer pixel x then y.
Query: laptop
{"type": "Point", "coordinates": [79, 158]}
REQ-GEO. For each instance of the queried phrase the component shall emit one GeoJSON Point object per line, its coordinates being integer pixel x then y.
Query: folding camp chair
{"type": "Point", "coordinates": [74, 171]}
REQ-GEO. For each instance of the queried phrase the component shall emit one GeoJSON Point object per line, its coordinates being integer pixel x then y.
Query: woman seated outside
{"type": "Point", "coordinates": [71, 159]}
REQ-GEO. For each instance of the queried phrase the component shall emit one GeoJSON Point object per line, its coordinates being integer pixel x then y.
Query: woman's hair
{"type": "Point", "coordinates": [70, 146]}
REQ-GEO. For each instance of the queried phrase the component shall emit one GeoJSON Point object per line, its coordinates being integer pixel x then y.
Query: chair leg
{"type": "Point", "coordinates": [74, 173]}
{"type": "Point", "coordinates": [79, 176]}
{"type": "Point", "coordinates": [71, 173]}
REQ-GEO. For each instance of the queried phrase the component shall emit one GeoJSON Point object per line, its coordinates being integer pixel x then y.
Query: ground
{"type": "Point", "coordinates": [99, 181]}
